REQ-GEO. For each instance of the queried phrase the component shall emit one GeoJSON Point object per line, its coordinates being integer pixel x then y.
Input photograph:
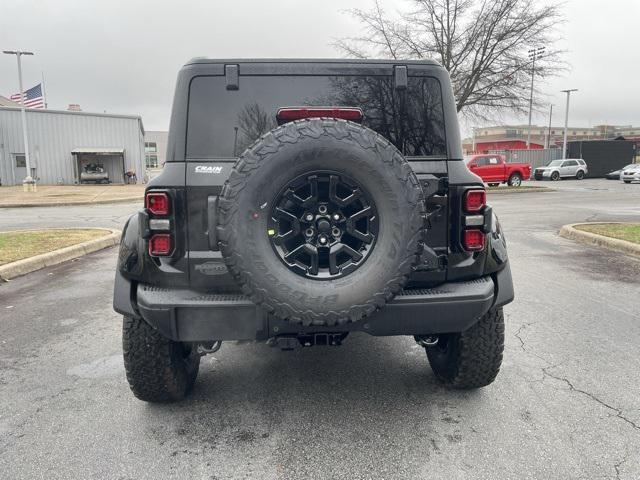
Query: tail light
{"type": "Point", "coordinates": [157, 203]}
{"type": "Point", "coordinates": [290, 114]}
{"type": "Point", "coordinates": [160, 244]}
{"type": "Point", "coordinates": [473, 239]}
{"type": "Point", "coordinates": [474, 200]}
{"type": "Point", "coordinates": [473, 203]}
{"type": "Point", "coordinates": [161, 239]}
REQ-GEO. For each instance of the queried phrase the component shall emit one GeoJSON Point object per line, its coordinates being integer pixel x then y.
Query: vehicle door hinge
{"type": "Point", "coordinates": [400, 77]}
{"type": "Point", "coordinates": [232, 75]}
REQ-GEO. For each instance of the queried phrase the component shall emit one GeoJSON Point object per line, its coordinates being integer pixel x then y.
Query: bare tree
{"type": "Point", "coordinates": [484, 44]}
{"type": "Point", "coordinates": [253, 121]}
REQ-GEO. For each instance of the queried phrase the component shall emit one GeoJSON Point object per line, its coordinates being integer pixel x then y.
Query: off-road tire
{"type": "Point", "coordinates": [293, 150]}
{"type": "Point", "coordinates": [579, 175]}
{"type": "Point", "coordinates": [515, 180]}
{"type": "Point", "coordinates": [158, 369]}
{"type": "Point", "coordinates": [470, 359]}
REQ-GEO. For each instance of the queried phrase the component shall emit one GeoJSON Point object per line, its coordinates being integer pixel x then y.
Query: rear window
{"type": "Point", "coordinates": [222, 123]}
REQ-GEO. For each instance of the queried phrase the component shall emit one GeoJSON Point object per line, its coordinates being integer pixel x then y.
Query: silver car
{"type": "Point", "coordinates": [565, 168]}
{"type": "Point", "coordinates": [631, 173]}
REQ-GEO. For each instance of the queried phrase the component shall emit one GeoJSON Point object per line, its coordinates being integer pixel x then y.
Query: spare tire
{"type": "Point", "coordinates": [320, 221]}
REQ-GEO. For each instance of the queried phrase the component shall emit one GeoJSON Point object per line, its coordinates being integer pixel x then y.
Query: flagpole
{"type": "Point", "coordinates": [28, 184]}
{"type": "Point", "coordinates": [44, 92]}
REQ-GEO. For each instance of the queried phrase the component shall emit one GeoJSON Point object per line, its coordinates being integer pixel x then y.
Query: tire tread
{"type": "Point", "coordinates": [291, 133]}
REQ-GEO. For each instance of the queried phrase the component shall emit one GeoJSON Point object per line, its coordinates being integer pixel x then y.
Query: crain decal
{"type": "Point", "coordinates": [208, 169]}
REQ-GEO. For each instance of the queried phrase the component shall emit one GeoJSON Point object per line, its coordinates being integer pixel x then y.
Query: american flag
{"type": "Point", "coordinates": [32, 97]}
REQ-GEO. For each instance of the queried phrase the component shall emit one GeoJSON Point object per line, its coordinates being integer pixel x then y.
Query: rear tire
{"type": "Point", "coordinates": [579, 175]}
{"type": "Point", "coordinates": [515, 180]}
{"type": "Point", "coordinates": [158, 369]}
{"type": "Point", "coordinates": [627, 181]}
{"type": "Point", "coordinates": [493, 184]}
{"type": "Point", "coordinates": [470, 359]}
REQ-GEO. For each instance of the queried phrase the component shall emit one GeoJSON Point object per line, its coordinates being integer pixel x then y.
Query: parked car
{"type": "Point", "coordinates": [565, 168]}
{"type": "Point", "coordinates": [319, 220]}
{"type": "Point", "coordinates": [493, 169]}
{"type": "Point", "coordinates": [631, 173]}
{"type": "Point", "coordinates": [615, 174]}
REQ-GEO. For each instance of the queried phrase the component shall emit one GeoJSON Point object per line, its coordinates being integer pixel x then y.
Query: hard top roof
{"type": "Point", "coordinates": [347, 61]}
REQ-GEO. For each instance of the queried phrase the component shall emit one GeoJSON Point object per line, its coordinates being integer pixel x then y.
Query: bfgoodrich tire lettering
{"type": "Point", "coordinates": [288, 152]}
{"type": "Point", "coordinates": [470, 359]}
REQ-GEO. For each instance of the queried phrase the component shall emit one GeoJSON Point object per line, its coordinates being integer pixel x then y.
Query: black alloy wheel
{"type": "Point", "coordinates": [323, 225]}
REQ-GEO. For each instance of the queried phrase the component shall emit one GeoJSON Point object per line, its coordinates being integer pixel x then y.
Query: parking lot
{"type": "Point", "coordinates": [565, 405]}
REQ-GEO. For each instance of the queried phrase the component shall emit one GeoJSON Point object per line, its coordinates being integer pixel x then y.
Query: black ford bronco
{"type": "Point", "coordinates": [303, 200]}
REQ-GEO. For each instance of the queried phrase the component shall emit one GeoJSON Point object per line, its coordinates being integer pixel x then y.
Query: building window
{"type": "Point", "coordinates": [150, 147]}
{"type": "Point", "coordinates": [152, 160]}
{"type": "Point", "coordinates": [21, 160]}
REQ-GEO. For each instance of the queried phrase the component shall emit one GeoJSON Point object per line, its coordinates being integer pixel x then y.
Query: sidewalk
{"type": "Point", "coordinates": [56, 195]}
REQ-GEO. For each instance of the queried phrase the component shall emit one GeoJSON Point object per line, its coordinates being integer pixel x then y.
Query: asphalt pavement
{"type": "Point", "coordinates": [566, 404]}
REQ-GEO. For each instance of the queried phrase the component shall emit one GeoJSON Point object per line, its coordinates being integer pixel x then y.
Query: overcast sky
{"type": "Point", "coordinates": [122, 56]}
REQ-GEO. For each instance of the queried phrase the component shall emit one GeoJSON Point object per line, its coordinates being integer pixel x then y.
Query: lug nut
{"type": "Point", "coordinates": [308, 217]}
{"type": "Point", "coordinates": [335, 232]}
{"type": "Point", "coordinates": [322, 209]}
{"type": "Point", "coordinates": [322, 239]}
{"type": "Point", "coordinates": [309, 232]}
{"type": "Point", "coordinates": [336, 217]}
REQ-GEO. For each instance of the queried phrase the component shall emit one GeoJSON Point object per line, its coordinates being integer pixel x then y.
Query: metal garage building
{"type": "Point", "coordinates": [61, 143]}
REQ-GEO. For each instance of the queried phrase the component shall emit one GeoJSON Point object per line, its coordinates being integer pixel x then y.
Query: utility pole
{"type": "Point", "coordinates": [534, 53]}
{"type": "Point", "coordinates": [549, 130]}
{"type": "Point", "coordinates": [28, 184]}
{"type": "Point", "coordinates": [566, 121]}
{"type": "Point", "coordinates": [235, 141]}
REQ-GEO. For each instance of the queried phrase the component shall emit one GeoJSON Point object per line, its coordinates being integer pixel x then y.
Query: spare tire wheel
{"type": "Point", "coordinates": [320, 221]}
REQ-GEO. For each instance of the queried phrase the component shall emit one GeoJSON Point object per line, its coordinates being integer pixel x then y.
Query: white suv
{"type": "Point", "coordinates": [565, 168]}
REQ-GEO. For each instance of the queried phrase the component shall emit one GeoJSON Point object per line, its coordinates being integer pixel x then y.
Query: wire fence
{"type": "Point", "coordinates": [535, 158]}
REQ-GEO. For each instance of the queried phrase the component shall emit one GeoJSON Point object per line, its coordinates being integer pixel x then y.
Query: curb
{"type": "Point", "coordinates": [37, 262]}
{"type": "Point", "coordinates": [137, 198]}
{"type": "Point", "coordinates": [588, 238]}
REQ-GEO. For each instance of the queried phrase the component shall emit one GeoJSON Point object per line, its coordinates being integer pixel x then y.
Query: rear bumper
{"type": "Point", "coordinates": [188, 315]}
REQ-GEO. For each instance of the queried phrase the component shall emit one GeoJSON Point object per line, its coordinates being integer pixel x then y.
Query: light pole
{"type": "Point", "coordinates": [549, 131]}
{"type": "Point", "coordinates": [533, 54]}
{"type": "Point", "coordinates": [566, 121]}
{"type": "Point", "coordinates": [28, 182]}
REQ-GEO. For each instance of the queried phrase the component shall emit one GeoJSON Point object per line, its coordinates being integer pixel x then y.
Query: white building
{"type": "Point", "coordinates": [62, 143]}
{"type": "Point", "coordinates": [155, 148]}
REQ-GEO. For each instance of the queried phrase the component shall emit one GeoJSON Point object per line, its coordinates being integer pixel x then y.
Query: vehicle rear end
{"type": "Point", "coordinates": [178, 274]}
